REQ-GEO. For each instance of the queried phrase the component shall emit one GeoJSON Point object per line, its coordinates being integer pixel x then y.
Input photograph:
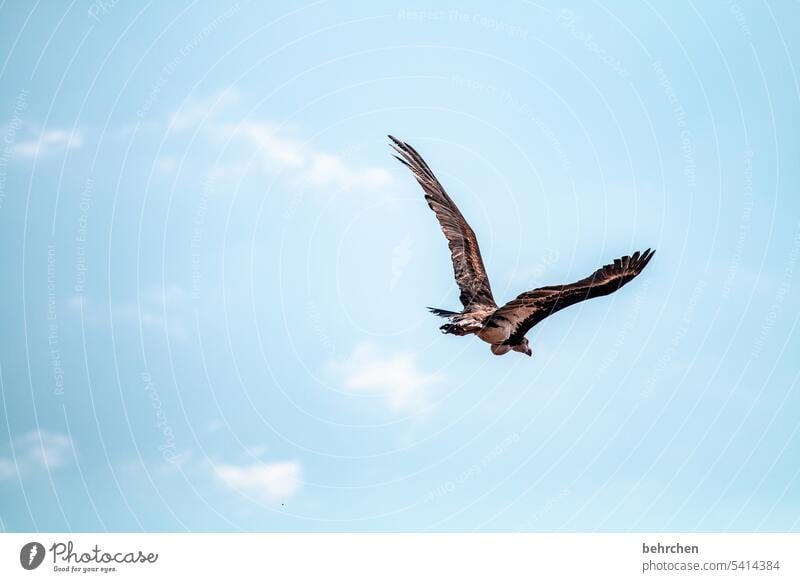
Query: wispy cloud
{"type": "Point", "coordinates": [7, 469]}
{"type": "Point", "coordinates": [331, 170]}
{"type": "Point", "coordinates": [36, 450]}
{"type": "Point", "coordinates": [268, 481]}
{"type": "Point", "coordinates": [303, 163]}
{"type": "Point", "coordinates": [153, 302]}
{"type": "Point", "coordinates": [49, 142]}
{"type": "Point", "coordinates": [166, 164]}
{"type": "Point", "coordinates": [278, 152]}
{"type": "Point", "coordinates": [395, 377]}
{"type": "Point", "coordinates": [148, 309]}
{"type": "Point", "coordinates": [196, 111]}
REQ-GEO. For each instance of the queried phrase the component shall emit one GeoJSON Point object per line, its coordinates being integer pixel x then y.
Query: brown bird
{"type": "Point", "coordinates": [503, 327]}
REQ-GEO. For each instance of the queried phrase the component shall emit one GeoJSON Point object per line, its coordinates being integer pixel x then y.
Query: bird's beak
{"type": "Point", "coordinates": [529, 352]}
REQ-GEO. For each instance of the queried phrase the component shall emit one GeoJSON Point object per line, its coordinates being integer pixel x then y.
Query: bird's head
{"type": "Point", "coordinates": [523, 347]}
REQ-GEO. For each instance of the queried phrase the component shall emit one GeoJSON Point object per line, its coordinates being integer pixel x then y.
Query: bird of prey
{"type": "Point", "coordinates": [504, 328]}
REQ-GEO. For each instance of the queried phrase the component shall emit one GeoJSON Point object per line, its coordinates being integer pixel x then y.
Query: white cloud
{"type": "Point", "coordinates": [154, 301]}
{"type": "Point", "coordinates": [49, 142]}
{"type": "Point", "coordinates": [330, 170]}
{"type": "Point", "coordinates": [278, 152]}
{"type": "Point", "coordinates": [166, 164]}
{"type": "Point", "coordinates": [302, 162]}
{"type": "Point", "coordinates": [165, 295]}
{"type": "Point", "coordinates": [76, 302]}
{"type": "Point", "coordinates": [268, 481]}
{"type": "Point", "coordinates": [45, 448]}
{"type": "Point", "coordinates": [196, 111]}
{"type": "Point", "coordinates": [7, 469]}
{"type": "Point", "coordinates": [213, 425]}
{"type": "Point", "coordinates": [395, 377]}
{"type": "Point", "coordinates": [37, 450]}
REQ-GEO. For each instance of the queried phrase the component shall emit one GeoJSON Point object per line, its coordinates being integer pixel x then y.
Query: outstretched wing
{"type": "Point", "coordinates": [532, 307]}
{"type": "Point", "coordinates": [467, 262]}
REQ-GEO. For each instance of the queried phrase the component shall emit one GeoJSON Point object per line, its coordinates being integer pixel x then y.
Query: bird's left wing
{"type": "Point", "coordinates": [531, 307]}
{"type": "Point", "coordinates": [470, 274]}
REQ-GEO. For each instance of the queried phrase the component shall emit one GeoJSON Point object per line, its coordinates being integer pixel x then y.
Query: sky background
{"type": "Point", "coordinates": [215, 275]}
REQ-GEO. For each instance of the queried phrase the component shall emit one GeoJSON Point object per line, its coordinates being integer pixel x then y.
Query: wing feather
{"type": "Point", "coordinates": [468, 268]}
{"type": "Point", "coordinates": [531, 307]}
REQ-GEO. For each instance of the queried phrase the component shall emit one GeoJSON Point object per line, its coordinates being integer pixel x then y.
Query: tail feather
{"type": "Point", "coordinates": [442, 312]}
{"type": "Point", "coordinates": [459, 324]}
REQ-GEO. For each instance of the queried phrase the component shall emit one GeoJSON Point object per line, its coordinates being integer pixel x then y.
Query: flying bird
{"type": "Point", "coordinates": [504, 328]}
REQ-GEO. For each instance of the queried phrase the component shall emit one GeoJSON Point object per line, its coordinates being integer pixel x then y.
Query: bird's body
{"type": "Point", "coordinates": [504, 328]}
{"type": "Point", "coordinates": [495, 332]}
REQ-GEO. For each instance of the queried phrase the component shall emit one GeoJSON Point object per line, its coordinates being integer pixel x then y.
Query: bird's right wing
{"type": "Point", "coordinates": [468, 266]}
{"type": "Point", "coordinates": [531, 307]}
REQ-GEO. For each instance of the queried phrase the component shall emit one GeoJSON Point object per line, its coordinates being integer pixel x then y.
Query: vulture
{"type": "Point", "coordinates": [504, 328]}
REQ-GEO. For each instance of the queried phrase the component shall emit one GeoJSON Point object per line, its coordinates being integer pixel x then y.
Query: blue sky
{"type": "Point", "coordinates": [216, 274]}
